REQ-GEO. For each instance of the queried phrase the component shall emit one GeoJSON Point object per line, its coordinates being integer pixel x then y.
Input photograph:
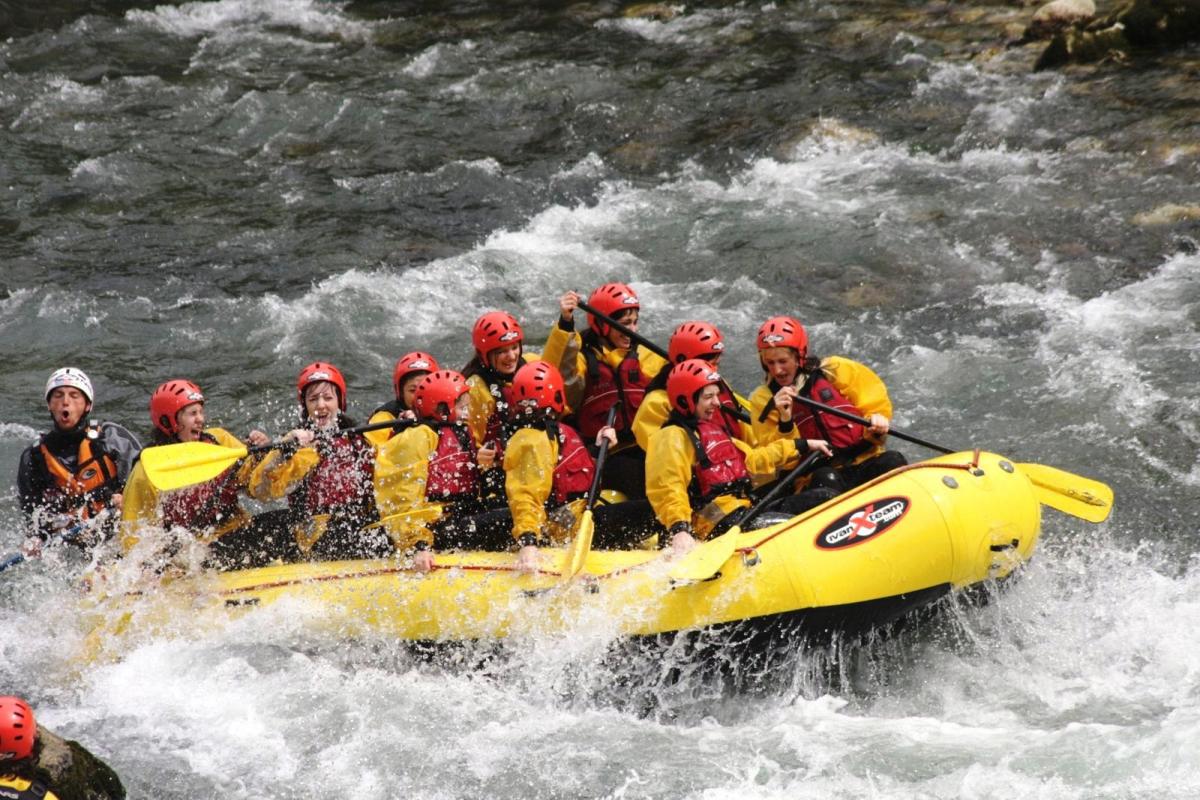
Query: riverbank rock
{"type": "Point", "coordinates": [1058, 16]}
{"type": "Point", "coordinates": [1137, 25]}
{"type": "Point", "coordinates": [1167, 215]}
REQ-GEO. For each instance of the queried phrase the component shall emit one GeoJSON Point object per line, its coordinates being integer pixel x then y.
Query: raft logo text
{"type": "Point", "coordinates": [861, 524]}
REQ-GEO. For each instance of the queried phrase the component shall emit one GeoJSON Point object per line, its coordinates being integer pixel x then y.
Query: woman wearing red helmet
{"type": "Point", "coordinates": [690, 340]}
{"type": "Point", "coordinates": [325, 474]}
{"type": "Point", "coordinates": [548, 468]}
{"type": "Point", "coordinates": [428, 478]}
{"type": "Point", "coordinates": [37, 764]}
{"type": "Point", "coordinates": [696, 473]}
{"type": "Point", "coordinates": [210, 510]}
{"type": "Point", "coordinates": [409, 370]}
{"type": "Point", "coordinates": [834, 381]}
{"type": "Point", "coordinates": [612, 369]}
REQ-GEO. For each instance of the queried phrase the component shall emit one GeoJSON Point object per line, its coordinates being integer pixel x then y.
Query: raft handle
{"type": "Point", "coordinates": [750, 557]}
{"type": "Point", "coordinates": [1000, 548]}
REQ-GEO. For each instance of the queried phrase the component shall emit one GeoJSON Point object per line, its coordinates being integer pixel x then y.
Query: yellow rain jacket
{"type": "Point", "coordinates": [142, 505]}
{"type": "Point", "coordinates": [401, 472]}
{"type": "Point", "coordinates": [19, 785]}
{"type": "Point", "coordinates": [655, 409]}
{"type": "Point", "coordinates": [379, 437]}
{"type": "Point", "coordinates": [670, 462]}
{"type": "Point", "coordinates": [857, 382]}
{"type": "Point", "coordinates": [483, 404]}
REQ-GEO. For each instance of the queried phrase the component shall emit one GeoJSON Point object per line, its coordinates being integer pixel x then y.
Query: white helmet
{"type": "Point", "coordinates": [69, 376]}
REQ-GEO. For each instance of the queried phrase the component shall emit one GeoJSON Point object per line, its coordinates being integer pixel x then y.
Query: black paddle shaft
{"type": "Point", "coordinates": [373, 426]}
{"type": "Point", "coordinates": [866, 423]}
{"type": "Point", "coordinates": [737, 413]}
{"type": "Point", "coordinates": [783, 483]}
{"type": "Point", "coordinates": [601, 457]}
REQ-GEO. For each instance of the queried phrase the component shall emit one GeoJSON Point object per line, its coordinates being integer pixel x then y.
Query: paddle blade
{"type": "Point", "coordinates": [581, 545]}
{"type": "Point", "coordinates": [174, 466]}
{"type": "Point", "coordinates": [1071, 494]}
{"type": "Point", "coordinates": [706, 559]}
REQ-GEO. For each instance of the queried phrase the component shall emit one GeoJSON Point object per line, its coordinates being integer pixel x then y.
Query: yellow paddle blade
{"type": "Point", "coordinates": [173, 466]}
{"type": "Point", "coordinates": [581, 545]}
{"type": "Point", "coordinates": [1070, 493]}
{"type": "Point", "coordinates": [706, 559]}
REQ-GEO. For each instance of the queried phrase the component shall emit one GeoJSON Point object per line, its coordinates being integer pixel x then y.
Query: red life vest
{"type": "Point", "coordinates": [605, 386]}
{"type": "Point", "coordinates": [342, 478]}
{"type": "Point", "coordinates": [727, 421]}
{"type": "Point", "coordinates": [842, 434]}
{"type": "Point", "coordinates": [575, 468]}
{"type": "Point", "coordinates": [453, 471]}
{"type": "Point", "coordinates": [87, 486]}
{"type": "Point", "coordinates": [205, 505]}
{"type": "Point", "coordinates": [720, 466]}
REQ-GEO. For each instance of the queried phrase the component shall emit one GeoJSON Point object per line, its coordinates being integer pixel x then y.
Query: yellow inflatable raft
{"type": "Point", "coordinates": [864, 559]}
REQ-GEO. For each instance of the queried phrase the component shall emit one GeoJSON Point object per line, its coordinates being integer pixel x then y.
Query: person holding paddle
{"type": "Point", "coordinates": [614, 370]}
{"type": "Point", "coordinates": [211, 509]}
{"type": "Point", "coordinates": [549, 470]}
{"type": "Point", "coordinates": [690, 340]}
{"type": "Point", "coordinates": [410, 369]}
{"type": "Point", "coordinates": [778, 409]}
{"type": "Point", "coordinates": [75, 472]}
{"type": "Point", "coordinates": [326, 474]}
{"type": "Point", "coordinates": [696, 473]}
{"type": "Point", "coordinates": [428, 480]}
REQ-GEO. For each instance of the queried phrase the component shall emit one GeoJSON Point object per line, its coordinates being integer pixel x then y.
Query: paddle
{"type": "Point", "coordinates": [1063, 491]}
{"type": "Point", "coordinates": [577, 553]}
{"type": "Point", "coordinates": [739, 414]}
{"type": "Point", "coordinates": [704, 560]}
{"type": "Point", "coordinates": [174, 466]}
{"type": "Point", "coordinates": [69, 534]}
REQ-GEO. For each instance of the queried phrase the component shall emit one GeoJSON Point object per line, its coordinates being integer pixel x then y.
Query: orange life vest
{"type": "Point", "coordinates": [89, 485]}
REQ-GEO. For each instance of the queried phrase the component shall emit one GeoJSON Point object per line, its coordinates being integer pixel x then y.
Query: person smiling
{"type": "Point", "coordinates": [326, 474]}
{"type": "Point", "coordinates": [75, 471]}
{"type": "Point", "coordinates": [211, 510]}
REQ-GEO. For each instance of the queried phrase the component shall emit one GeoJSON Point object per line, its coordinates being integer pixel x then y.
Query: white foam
{"type": "Point", "coordinates": [223, 16]}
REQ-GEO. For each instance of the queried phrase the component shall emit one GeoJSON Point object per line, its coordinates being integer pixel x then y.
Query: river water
{"type": "Point", "coordinates": [228, 190]}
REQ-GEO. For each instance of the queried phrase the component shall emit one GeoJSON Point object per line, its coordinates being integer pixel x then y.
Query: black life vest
{"type": "Point", "coordinates": [453, 474]}
{"type": "Point", "coordinates": [605, 386]}
{"type": "Point", "coordinates": [89, 484]}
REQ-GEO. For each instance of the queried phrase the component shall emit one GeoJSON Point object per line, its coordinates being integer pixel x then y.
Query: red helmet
{"type": "Point", "coordinates": [444, 386]}
{"type": "Point", "coordinates": [694, 340]}
{"type": "Point", "coordinates": [322, 371]}
{"type": "Point", "coordinates": [169, 399]}
{"type": "Point", "coordinates": [411, 363]}
{"type": "Point", "coordinates": [612, 299]}
{"type": "Point", "coordinates": [783, 332]}
{"type": "Point", "coordinates": [17, 729]}
{"type": "Point", "coordinates": [686, 379]}
{"type": "Point", "coordinates": [494, 330]}
{"type": "Point", "coordinates": [538, 385]}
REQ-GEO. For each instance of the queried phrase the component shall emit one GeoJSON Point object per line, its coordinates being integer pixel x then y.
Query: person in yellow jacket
{"type": "Point", "coordinates": [212, 510]}
{"type": "Point", "coordinates": [326, 473]}
{"type": "Point", "coordinates": [409, 370]}
{"type": "Point", "coordinates": [612, 369]}
{"type": "Point", "coordinates": [428, 478]}
{"type": "Point", "coordinates": [694, 339]}
{"type": "Point", "coordinates": [35, 764]}
{"type": "Point", "coordinates": [548, 470]}
{"type": "Point", "coordinates": [697, 474]}
{"type": "Point", "coordinates": [860, 451]}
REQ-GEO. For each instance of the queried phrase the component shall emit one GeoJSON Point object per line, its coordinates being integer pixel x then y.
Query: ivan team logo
{"type": "Point", "coordinates": [863, 524]}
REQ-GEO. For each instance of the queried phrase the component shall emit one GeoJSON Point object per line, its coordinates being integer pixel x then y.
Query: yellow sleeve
{"type": "Point", "coordinates": [140, 507]}
{"type": "Point", "coordinates": [859, 384]}
{"type": "Point", "coordinates": [763, 462]}
{"type": "Point", "coordinates": [563, 351]}
{"type": "Point", "coordinates": [401, 472]}
{"type": "Point", "coordinates": [529, 460]}
{"type": "Point", "coordinates": [651, 363]}
{"type": "Point", "coordinates": [246, 470]}
{"type": "Point", "coordinates": [651, 414]}
{"type": "Point", "coordinates": [377, 438]}
{"type": "Point", "coordinates": [482, 406]}
{"type": "Point", "coordinates": [767, 430]}
{"type": "Point", "coordinates": [669, 462]}
{"type": "Point", "coordinates": [275, 474]}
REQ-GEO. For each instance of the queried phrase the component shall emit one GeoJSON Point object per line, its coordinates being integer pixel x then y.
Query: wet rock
{"type": "Point", "coordinates": [1057, 16]}
{"type": "Point", "coordinates": [1167, 215]}
{"type": "Point", "coordinates": [868, 295]}
{"type": "Point", "coordinates": [1136, 25]}
{"type": "Point", "coordinates": [659, 11]}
